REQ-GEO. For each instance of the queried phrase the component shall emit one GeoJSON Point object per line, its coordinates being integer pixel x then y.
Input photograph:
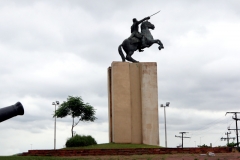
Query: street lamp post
{"type": "Point", "coordinates": [53, 103]}
{"type": "Point", "coordinates": [200, 141]}
{"type": "Point", "coordinates": [167, 105]}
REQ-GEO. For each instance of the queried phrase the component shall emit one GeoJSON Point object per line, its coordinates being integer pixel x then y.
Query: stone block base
{"type": "Point", "coordinates": [133, 103]}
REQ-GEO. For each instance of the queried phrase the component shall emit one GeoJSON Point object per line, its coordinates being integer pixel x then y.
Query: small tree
{"type": "Point", "coordinates": [76, 108]}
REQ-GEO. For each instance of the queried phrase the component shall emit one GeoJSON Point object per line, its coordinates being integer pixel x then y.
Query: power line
{"type": "Point", "coordinates": [208, 126]}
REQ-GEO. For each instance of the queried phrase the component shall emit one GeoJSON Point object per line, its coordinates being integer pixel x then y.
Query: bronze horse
{"type": "Point", "coordinates": [130, 47]}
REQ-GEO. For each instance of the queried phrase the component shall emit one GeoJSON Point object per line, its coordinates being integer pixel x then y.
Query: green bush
{"type": "Point", "coordinates": [204, 146]}
{"type": "Point", "coordinates": [80, 141]}
{"type": "Point", "coordinates": [232, 144]}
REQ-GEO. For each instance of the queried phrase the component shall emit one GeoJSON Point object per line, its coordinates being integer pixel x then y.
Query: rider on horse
{"type": "Point", "coordinates": [136, 36]}
{"type": "Point", "coordinates": [137, 40]}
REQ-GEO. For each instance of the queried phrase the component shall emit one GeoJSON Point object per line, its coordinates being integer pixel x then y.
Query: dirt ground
{"type": "Point", "coordinates": [217, 156]}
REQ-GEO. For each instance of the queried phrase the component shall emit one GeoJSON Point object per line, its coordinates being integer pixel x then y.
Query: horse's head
{"type": "Point", "coordinates": [147, 24]}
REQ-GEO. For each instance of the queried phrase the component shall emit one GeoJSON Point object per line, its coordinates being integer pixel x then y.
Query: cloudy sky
{"type": "Point", "coordinates": [51, 49]}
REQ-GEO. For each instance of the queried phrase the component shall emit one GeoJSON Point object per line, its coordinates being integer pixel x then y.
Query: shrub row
{"type": "Point", "coordinates": [80, 141]}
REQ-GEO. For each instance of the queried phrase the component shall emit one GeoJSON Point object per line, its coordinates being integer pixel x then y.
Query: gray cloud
{"type": "Point", "coordinates": [52, 49]}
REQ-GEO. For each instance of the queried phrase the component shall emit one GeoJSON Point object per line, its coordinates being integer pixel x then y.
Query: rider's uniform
{"type": "Point", "coordinates": [135, 32]}
{"type": "Point", "coordinates": [136, 36]}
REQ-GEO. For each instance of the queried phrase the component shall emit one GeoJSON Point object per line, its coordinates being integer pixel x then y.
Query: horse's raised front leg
{"type": "Point", "coordinates": [160, 44]}
{"type": "Point", "coordinates": [157, 41]}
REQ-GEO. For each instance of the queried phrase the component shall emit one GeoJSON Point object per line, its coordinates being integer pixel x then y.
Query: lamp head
{"type": "Point", "coordinates": [53, 103]}
{"type": "Point", "coordinates": [57, 102]}
{"type": "Point", "coordinates": [167, 104]}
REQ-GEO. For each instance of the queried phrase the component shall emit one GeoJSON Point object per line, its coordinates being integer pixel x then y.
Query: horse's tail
{"type": "Point", "coordinates": [121, 53]}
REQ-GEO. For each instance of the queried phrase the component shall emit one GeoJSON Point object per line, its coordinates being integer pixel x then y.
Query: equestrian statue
{"type": "Point", "coordinates": [138, 41]}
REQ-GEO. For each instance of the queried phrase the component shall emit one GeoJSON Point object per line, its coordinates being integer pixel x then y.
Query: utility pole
{"type": "Point", "coordinates": [227, 137]}
{"type": "Point", "coordinates": [167, 105]}
{"type": "Point", "coordinates": [53, 103]}
{"type": "Point", "coordinates": [236, 119]}
{"type": "Point", "coordinates": [182, 136]}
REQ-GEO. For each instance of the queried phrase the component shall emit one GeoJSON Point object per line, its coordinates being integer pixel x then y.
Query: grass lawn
{"type": "Point", "coordinates": [134, 157]}
{"type": "Point", "coordinates": [98, 146]}
{"type": "Point", "coordinates": [222, 156]}
{"type": "Point", "coordinates": [219, 156]}
{"type": "Point", "coordinates": [114, 146]}
{"type": "Point", "coordinates": [32, 158]}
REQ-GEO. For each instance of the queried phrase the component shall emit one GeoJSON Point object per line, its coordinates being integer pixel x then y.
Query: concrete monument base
{"type": "Point", "coordinates": [133, 103]}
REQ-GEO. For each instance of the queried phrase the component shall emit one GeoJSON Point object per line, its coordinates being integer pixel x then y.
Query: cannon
{"type": "Point", "coordinates": [11, 111]}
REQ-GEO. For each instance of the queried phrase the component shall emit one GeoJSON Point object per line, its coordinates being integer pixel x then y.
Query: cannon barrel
{"type": "Point", "coordinates": [11, 111]}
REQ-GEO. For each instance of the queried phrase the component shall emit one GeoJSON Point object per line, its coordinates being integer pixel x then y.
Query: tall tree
{"type": "Point", "coordinates": [76, 108]}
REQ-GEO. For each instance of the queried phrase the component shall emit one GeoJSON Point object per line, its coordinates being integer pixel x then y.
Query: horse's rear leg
{"type": "Point", "coordinates": [129, 57]}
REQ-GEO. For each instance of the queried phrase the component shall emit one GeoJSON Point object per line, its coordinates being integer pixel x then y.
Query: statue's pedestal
{"type": "Point", "coordinates": [133, 103]}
